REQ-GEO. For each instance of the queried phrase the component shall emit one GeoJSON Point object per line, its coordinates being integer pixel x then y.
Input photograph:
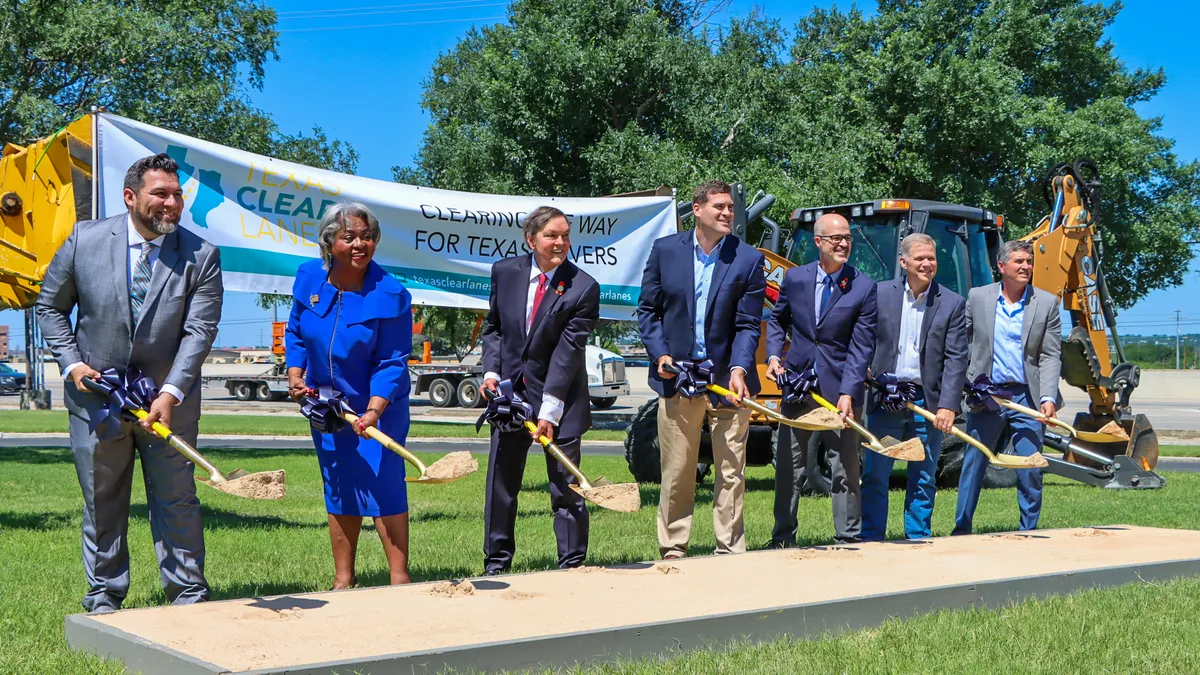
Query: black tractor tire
{"type": "Point", "coordinates": [641, 447]}
{"type": "Point", "coordinates": [603, 403]}
{"type": "Point", "coordinates": [263, 392]}
{"type": "Point", "coordinates": [243, 391]}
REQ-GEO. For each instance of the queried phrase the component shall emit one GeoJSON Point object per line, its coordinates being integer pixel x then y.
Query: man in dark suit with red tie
{"type": "Point", "coordinates": [541, 311]}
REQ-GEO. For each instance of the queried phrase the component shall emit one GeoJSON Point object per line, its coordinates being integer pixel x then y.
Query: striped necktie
{"type": "Point", "coordinates": [140, 283]}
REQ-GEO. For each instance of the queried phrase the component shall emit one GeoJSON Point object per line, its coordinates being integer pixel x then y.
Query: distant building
{"type": "Point", "coordinates": [223, 356]}
{"type": "Point", "coordinates": [4, 356]}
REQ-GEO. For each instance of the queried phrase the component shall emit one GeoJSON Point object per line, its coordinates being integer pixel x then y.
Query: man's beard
{"type": "Point", "coordinates": [158, 226]}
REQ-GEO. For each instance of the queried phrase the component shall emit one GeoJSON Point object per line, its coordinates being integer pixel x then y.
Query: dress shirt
{"type": "Point", "coordinates": [134, 253]}
{"type": "Point", "coordinates": [908, 349]}
{"type": "Point", "coordinates": [552, 408]}
{"type": "Point", "coordinates": [1008, 362]}
{"type": "Point", "coordinates": [703, 266]}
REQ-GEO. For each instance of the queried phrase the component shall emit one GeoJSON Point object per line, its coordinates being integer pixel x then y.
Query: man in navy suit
{"type": "Point", "coordinates": [702, 298]}
{"type": "Point", "coordinates": [921, 340]}
{"type": "Point", "coordinates": [828, 308]}
{"type": "Point", "coordinates": [541, 310]}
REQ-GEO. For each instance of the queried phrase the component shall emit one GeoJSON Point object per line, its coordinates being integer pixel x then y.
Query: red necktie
{"type": "Point", "coordinates": [537, 298]}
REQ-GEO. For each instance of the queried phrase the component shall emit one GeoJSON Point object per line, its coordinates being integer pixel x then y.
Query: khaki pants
{"type": "Point", "coordinates": [680, 422]}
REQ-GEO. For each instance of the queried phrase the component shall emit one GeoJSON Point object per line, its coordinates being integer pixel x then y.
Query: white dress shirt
{"type": "Point", "coordinates": [908, 349]}
{"type": "Point", "coordinates": [133, 254]}
{"type": "Point", "coordinates": [552, 408]}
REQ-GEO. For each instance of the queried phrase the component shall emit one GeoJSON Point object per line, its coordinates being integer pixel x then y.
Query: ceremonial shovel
{"type": "Point", "coordinates": [261, 485]}
{"type": "Point", "coordinates": [623, 497]}
{"type": "Point", "coordinates": [453, 466]}
{"type": "Point", "coordinates": [1109, 433]}
{"type": "Point", "coordinates": [1034, 461]}
{"type": "Point", "coordinates": [813, 420]}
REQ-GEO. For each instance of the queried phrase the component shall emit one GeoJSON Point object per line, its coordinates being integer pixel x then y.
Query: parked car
{"type": "Point", "coordinates": [11, 379]}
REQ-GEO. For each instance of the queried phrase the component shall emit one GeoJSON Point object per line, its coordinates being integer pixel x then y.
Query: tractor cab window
{"type": "Point", "coordinates": [981, 258]}
{"type": "Point", "coordinates": [876, 244]}
{"type": "Point", "coordinates": [951, 252]}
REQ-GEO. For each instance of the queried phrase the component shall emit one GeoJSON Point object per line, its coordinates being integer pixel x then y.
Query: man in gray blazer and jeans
{"type": "Point", "coordinates": [1016, 340]}
{"type": "Point", "coordinates": [147, 295]}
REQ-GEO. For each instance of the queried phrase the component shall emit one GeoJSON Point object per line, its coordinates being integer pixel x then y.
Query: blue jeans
{"type": "Point", "coordinates": [987, 427]}
{"type": "Point", "coordinates": [922, 487]}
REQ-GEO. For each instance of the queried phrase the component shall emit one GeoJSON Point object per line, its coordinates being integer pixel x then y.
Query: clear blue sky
{"type": "Point", "coordinates": [372, 74]}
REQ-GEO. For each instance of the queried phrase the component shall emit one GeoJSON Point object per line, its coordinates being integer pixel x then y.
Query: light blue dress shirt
{"type": "Point", "coordinates": [702, 269]}
{"type": "Point", "coordinates": [1008, 362]}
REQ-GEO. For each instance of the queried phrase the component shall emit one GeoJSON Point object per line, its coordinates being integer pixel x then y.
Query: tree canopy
{"type": "Point", "coordinates": [932, 99]}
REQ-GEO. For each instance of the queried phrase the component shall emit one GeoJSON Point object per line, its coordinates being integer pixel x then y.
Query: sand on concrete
{"type": "Point", "coordinates": [623, 497]}
{"type": "Point", "coordinates": [453, 589]}
{"type": "Point", "coordinates": [238, 635]}
{"type": "Point", "coordinates": [453, 466]}
{"type": "Point", "coordinates": [261, 485]}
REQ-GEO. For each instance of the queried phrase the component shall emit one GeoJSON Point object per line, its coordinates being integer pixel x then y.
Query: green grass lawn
{"type": "Point", "coordinates": [1179, 450]}
{"type": "Point", "coordinates": [264, 548]}
{"type": "Point", "coordinates": [51, 421]}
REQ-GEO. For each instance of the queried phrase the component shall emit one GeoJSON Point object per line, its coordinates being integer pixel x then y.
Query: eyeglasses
{"type": "Point", "coordinates": [837, 238]}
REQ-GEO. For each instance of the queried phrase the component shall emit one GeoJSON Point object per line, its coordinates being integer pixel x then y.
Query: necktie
{"type": "Point", "coordinates": [140, 283]}
{"type": "Point", "coordinates": [537, 298]}
{"type": "Point", "coordinates": [825, 293]}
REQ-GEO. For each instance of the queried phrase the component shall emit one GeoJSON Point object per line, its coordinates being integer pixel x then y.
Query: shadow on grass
{"type": "Point", "coordinates": [41, 522]}
{"type": "Point", "coordinates": [25, 455]}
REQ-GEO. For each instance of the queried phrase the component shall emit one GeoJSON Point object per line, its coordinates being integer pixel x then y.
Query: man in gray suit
{"type": "Point", "coordinates": [1016, 340]}
{"type": "Point", "coordinates": [147, 295]}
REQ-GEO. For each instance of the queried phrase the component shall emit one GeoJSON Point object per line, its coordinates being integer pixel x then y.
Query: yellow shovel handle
{"type": "Point", "coordinates": [849, 422]}
{"type": "Point", "coordinates": [182, 446]}
{"type": "Point", "coordinates": [987, 452]}
{"type": "Point", "coordinates": [388, 442]}
{"type": "Point", "coordinates": [1036, 414]}
{"type": "Point", "coordinates": [558, 454]}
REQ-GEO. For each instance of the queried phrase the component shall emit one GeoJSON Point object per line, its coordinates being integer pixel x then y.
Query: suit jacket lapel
{"type": "Point", "coordinates": [725, 258]}
{"type": "Point", "coordinates": [896, 305]}
{"type": "Point", "coordinates": [119, 255]}
{"type": "Point", "coordinates": [931, 305]}
{"type": "Point", "coordinates": [687, 275]}
{"type": "Point", "coordinates": [1026, 318]}
{"type": "Point", "coordinates": [991, 297]}
{"type": "Point", "coordinates": [168, 255]}
{"type": "Point", "coordinates": [521, 282]}
{"type": "Point", "coordinates": [808, 281]}
{"type": "Point", "coordinates": [843, 275]}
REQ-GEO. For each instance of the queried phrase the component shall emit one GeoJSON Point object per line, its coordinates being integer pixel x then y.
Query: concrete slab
{"type": "Point", "coordinates": [598, 614]}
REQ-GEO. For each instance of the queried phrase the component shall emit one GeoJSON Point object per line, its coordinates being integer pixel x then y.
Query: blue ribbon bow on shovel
{"type": "Point", "coordinates": [125, 394]}
{"type": "Point", "coordinates": [895, 394]}
{"type": "Point", "coordinates": [694, 378]}
{"type": "Point", "coordinates": [794, 386]}
{"type": "Point", "coordinates": [506, 411]}
{"type": "Point", "coordinates": [324, 409]}
{"type": "Point", "coordinates": [981, 391]}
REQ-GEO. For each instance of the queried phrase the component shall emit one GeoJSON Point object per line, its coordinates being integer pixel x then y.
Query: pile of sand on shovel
{"type": "Point", "coordinates": [453, 466]}
{"type": "Point", "coordinates": [623, 497]}
{"type": "Point", "coordinates": [823, 418]}
{"type": "Point", "coordinates": [1034, 461]}
{"type": "Point", "coordinates": [261, 485]}
{"type": "Point", "coordinates": [1115, 430]}
{"type": "Point", "coordinates": [912, 450]}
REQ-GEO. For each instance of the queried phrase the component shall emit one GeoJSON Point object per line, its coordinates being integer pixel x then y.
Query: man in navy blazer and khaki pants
{"type": "Point", "coordinates": [922, 340]}
{"type": "Point", "coordinates": [702, 298]}
{"type": "Point", "coordinates": [541, 310]}
{"type": "Point", "coordinates": [828, 308]}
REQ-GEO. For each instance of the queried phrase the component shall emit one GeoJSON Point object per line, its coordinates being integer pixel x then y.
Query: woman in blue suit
{"type": "Point", "coordinates": [351, 329]}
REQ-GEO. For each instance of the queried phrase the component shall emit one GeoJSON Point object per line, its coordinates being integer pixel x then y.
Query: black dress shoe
{"type": "Point", "coordinates": [495, 573]}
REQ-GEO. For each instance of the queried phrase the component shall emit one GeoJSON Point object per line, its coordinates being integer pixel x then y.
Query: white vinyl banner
{"type": "Point", "coordinates": [263, 214]}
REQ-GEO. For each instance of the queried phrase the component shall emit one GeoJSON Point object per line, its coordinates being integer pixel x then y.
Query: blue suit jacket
{"type": "Point", "coordinates": [841, 345]}
{"type": "Point", "coordinates": [943, 348]}
{"type": "Point", "coordinates": [667, 308]}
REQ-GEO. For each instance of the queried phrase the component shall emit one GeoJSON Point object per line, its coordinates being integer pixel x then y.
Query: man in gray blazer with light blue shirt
{"type": "Point", "coordinates": [1016, 340]}
{"type": "Point", "coordinates": [147, 295]}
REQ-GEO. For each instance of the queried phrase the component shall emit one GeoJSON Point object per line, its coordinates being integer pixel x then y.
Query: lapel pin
{"type": "Point", "coordinates": [314, 299]}
{"type": "Point", "coordinates": [561, 288]}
